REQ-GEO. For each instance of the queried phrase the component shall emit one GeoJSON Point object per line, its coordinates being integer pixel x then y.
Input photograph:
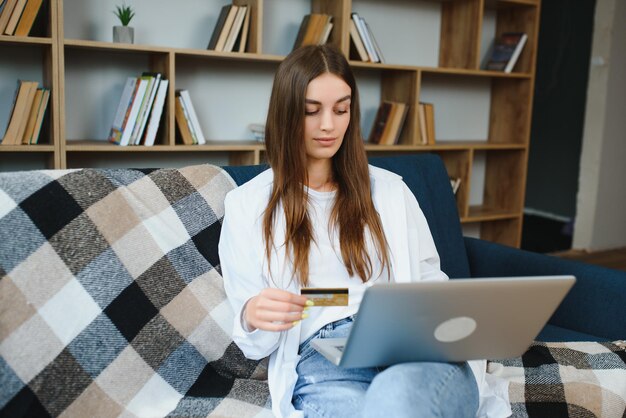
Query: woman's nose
{"type": "Point", "coordinates": [326, 122]}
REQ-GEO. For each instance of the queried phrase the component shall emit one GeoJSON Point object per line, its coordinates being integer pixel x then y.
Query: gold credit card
{"type": "Point", "coordinates": [326, 296]}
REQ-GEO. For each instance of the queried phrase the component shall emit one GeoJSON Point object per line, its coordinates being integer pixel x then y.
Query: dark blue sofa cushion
{"type": "Point", "coordinates": [428, 179]}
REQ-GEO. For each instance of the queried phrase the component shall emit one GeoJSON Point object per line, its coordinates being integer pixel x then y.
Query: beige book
{"type": "Point", "coordinates": [28, 17]}
{"type": "Point", "coordinates": [182, 123]}
{"type": "Point", "coordinates": [19, 115]}
{"type": "Point", "coordinates": [235, 29]}
{"type": "Point", "coordinates": [230, 18]}
{"type": "Point", "coordinates": [358, 42]}
{"type": "Point", "coordinates": [423, 140]}
{"type": "Point", "coordinates": [6, 14]}
{"type": "Point", "coordinates": [392, 131]}
{"type": "Point", "coordinates": [32, 117]}
{"type": "Point", "coordinates": [243, 41]}
{"type": "Point", "coordinates": [15, 17]}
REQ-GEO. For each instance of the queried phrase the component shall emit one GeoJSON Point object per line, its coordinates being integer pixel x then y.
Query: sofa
{"type": "Point", "coordinates": [112, 303]}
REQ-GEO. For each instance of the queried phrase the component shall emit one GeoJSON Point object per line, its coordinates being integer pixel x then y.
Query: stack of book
{"type": "Point", "coordinates": [314, 30]}
{"type": "Point", "coordinates": [17, 17]}
{"type": "Point", "coordinates": [388, 123]}
{"type": "Point", "coordinates": [231, 30]}
{"type": "Point", "coordinates": [139, 110]}
{"type": "Point", "coordinates": [363, 40]}
{"type": "Point", "coordinates": [29, 107]}
{"type": "Point", "coordinates": [187, 120]}
{"type": "Point", "coordinates": [426, 114]}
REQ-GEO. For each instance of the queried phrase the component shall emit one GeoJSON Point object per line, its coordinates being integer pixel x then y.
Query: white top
{"type": "Point", "coordinates": [246, 272]}
{"type": "Point", "coordinates": [326, 267]}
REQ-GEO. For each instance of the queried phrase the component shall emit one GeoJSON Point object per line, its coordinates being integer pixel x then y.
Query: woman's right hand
{"type": "Point", "coordinates": [274, 310]}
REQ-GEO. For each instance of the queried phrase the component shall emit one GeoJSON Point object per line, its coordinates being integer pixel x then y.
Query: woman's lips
{"type": "Point", "coordinates": [326, 141]}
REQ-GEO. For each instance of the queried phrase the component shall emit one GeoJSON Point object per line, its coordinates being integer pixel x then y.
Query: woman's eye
{"type": "Point", "coordinates": [309, 112]}
{"type": "Point", "coordinates": [341, 111]}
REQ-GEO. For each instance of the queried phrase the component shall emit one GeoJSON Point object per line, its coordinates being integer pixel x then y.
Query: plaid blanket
{"type": "Point", "coordinates": [575, 379]}
{"type": "Point", "coordinates": [111, 301]}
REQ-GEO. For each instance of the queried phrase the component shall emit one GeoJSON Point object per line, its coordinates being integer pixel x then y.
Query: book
{"type": "Point", "coordinates": [133, 111]}
{"type": "Point", "coordinates": [363, 33]}
{"type": "Point", "coordinates": [219, 25]}
{"type": "Point", "coordinates": [394, 125]}
{"type": "Point", "coordinates": [380, 120]}
{"type": "Point", "coordinates": [235, 29]}
{"type": "Point", "coordinates": [315, 29]}
{"type": "Point", "coordinates": [155, 115]}
{"type": "Point", "coordinates": [506, 51]}
{"type": "Point", "coordinates": [117, 127]}
{"type": "Point", "coordinates": [28, 17]}
{"type": "Point", "coordinates": [423, 133]}
{"type": "Point", "coordinates": [144, 111]}
{"type": "Point", "coordinates": [301, 31]}
{"type": "Point", "coordinates": [230, 18]}
{"type": "Point", "coordinates": [32, 117]}
{"type": "Point", "coordinates": [309, 38]}
{"type": "Point", "coordinates": [22, 103]}
{"type": "Point", "coordinates": [245, 29]}
{"type": "Point", "coordinates": [370, 34]}
{"type": "Point", "coordinates": [182, 123]}
{"type": "Point", "coordinates": [34, 138]}
{"type": "Point", "coordinates": [429, 110]}
{"type": "Point", "coordinates": [194, 136]}
{"type": "Point", "coordinates": [9, 5]}
{"type": "Point", "coordinates": [357, 42]}
{"type": "Point", "coordinates": [15, 17]}
{"type": "Point", "coordinates": [195, 123]}
{"type": "Point", "coordinates": [326, 33]}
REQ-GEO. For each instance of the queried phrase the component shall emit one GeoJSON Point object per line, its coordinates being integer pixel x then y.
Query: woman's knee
{"type": "Point", "coordinates": [427, 389]}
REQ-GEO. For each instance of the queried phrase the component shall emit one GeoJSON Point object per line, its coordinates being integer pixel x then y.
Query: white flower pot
{"type": "Point", "coordinates": [123, 34]}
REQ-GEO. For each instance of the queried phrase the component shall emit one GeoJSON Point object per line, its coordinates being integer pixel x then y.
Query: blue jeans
{"type": "Point", "coordinates": [403, 390]}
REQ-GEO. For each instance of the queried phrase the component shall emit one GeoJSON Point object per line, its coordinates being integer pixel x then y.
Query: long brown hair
{"type": "Point", "coordinates": [353, 209]}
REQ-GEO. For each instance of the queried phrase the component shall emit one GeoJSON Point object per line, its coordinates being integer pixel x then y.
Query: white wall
{"type": "Point", "coordinates": [601, 202]}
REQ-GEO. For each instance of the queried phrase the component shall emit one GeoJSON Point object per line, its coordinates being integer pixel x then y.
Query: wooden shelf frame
{"type": "Point", "coordinates": [505, 146]}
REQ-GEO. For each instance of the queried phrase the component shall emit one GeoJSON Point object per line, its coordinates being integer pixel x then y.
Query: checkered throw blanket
{"type": "Point", "coordinates": [575, 379]}
{"type": "Point", "coordinates": [111, 303]}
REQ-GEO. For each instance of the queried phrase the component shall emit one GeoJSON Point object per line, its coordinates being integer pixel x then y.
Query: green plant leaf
{"type": "Point", "coordinates": [124, 13]}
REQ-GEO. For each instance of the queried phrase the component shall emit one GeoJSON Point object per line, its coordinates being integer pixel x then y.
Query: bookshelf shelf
{"type": "Point", "coordinates": [437, 70]}
{"type": "Point", "coordinates": [111, 46]}
{"type": "Point", "coordinates": [21, 40]}
{"type": "Point", "coordinates": [490, 162]}
{"type": "Point", "coordinates": [27, 148]}
{"type": "Point", "coordinates": [479, 213]}
{"type": "Point", "coordinates": [216, 146]}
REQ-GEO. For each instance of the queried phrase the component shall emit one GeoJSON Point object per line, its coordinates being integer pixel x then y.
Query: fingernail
{"type": "Point", "coordinates": [295, 323]}
{"type": "Point", "coordinates": [306, 310]}
{"type": "Point", "coordinates": [305, 316]}
{"type": "Point", "coordinates": [309, 303]}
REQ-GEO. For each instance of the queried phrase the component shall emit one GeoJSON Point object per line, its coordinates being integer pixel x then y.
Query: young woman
{"type": "Point", "coordinates": [321, 217]}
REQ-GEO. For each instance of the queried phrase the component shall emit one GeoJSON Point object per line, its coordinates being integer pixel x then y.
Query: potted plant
{"type": "Point", "coordinates": [124, 33]}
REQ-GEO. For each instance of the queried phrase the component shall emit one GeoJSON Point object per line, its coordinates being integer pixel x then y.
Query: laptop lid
{"type": "Point", "coordinates": [455, 320]}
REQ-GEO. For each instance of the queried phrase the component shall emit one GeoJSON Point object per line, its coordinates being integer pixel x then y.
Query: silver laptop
{"type": "Point", "coordinates": [449, 321]}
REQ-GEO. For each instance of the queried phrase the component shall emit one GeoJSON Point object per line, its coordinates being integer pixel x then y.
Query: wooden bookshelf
{"type": "Point", "coordinates": [503, 148]}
